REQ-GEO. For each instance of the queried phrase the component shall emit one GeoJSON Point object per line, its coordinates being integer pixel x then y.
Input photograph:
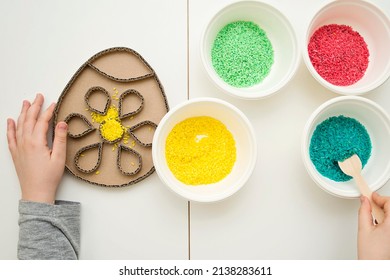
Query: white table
{"type": "Point", "coordinates": [274, 216]}
{"type": "Point", "coordinates": [43, 44]}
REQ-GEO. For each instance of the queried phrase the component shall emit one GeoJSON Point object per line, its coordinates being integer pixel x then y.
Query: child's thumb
{"type": "Point", "coordinates": [365, 216]}
{"type": "Point", "coordinates": [59, 143]}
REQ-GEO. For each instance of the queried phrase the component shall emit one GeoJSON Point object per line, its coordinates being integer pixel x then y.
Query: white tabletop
{"type": "Point", "coordinates": [276, 215]}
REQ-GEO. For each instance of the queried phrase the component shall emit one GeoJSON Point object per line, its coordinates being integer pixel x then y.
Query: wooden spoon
{"type": "Point", "coordinates": [352, 166]}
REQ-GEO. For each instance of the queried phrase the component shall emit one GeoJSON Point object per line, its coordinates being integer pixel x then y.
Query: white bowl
{"type": "Point", "coordinates": [373, 25]}
{"type": "Point", "coordinates": [279, 31]}
{"type": "Point", "coordinates": [375, 120]}
{"type": "Point", "coordinates": [246, 149]}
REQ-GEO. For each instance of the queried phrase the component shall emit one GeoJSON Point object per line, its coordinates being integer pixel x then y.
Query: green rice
{"type": "Point", "coordinates": [336, 139]}
{"type": "Point", "coordinates": [242, 54]}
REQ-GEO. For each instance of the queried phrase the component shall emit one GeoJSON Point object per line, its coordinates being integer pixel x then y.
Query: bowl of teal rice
{"type": "Point", "coordinates": [249, 50]}
{"type": "Point", "coordinates": [336, 130]}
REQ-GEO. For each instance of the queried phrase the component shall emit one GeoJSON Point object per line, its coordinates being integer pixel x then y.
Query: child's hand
{"type": "Point", "coordinates": [374, 240]}
{"type": "Point", "coordinates": [39, 169]}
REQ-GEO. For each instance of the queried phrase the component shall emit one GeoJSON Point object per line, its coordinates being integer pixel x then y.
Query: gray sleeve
{"type": "Point", "coordinates": [49, 231]}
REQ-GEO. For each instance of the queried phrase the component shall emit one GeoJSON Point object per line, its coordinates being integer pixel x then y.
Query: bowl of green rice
{"type": "Point", "coordinates": [336, 130]}
{"type": "Point", "coordinates": [249, 50]}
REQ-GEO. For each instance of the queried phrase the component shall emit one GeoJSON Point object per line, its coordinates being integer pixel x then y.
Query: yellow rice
{"type": "Point", "coordinates": [200, 150]}
{"type": "Point", "coordinates": [111, 128]}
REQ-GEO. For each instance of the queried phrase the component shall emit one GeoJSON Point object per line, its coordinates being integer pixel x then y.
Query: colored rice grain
{"type": "Point", "coordinates": [111, 128]}
{"type": "Point", "coordinates": [242, 54]}
{"type": "Point", "coordinates": [200, 150]}
{"type": "Point", "coordinates": [339, 54]}
{"type": "Point", "coordinates": [336, 139]}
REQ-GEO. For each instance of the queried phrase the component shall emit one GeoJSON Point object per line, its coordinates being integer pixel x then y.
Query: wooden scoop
{"type": "Point", "coordinates": [352, 166]}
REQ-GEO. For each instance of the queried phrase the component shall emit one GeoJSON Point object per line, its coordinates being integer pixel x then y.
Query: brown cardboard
{"type": "Point", "coordinates": [120, 77]}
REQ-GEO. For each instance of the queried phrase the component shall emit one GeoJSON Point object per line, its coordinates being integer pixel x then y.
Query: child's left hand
{"type": "Point", "coordinates": [39, 168]}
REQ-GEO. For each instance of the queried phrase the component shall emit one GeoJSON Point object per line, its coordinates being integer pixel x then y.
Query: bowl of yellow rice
{"type": "Point", "coordinates": [204, 149]}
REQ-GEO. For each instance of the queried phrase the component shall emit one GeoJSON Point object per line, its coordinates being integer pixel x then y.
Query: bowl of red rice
{"type": "Point", "coordinates": [346, 47]}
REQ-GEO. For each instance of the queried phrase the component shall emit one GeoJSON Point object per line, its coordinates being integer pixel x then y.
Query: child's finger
{"type": "Point", "coordinates": [59, 144]}
{"type": "Point", "coordinates": [382, 202]}
{"type": "Point", "coordinates": [42, 124]}
{"type": "Point", "coordinates": [365, 217]}
{"type": "Point", "coordinates": [32, 114]}
{"type": "Point", "coordinates": [19, 127]}
{"type": "Point", "coordinates": [11, 135]}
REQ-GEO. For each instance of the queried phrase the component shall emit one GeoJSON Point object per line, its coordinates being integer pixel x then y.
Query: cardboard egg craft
{"type": "Point", "coordinates": [112, 106]}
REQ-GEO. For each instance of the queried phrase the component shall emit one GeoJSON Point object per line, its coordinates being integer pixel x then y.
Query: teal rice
{"type": "Point", "coordinates": [336, 139]}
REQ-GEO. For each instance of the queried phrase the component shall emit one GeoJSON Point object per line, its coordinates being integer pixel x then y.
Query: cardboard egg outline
{"type": "Point", "coordinates": [117, 70]}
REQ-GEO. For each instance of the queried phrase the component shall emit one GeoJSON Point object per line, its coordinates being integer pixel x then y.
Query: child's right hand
{"type": "Point", "coordinates": [374, 240]}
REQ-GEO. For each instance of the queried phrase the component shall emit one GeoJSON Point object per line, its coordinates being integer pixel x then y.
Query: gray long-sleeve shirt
{"type": "Point", "coordinates": [49, 231]}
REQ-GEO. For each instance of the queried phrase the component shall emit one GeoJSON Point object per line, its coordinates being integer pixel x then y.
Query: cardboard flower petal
{"type": "Point", "coordinates": [112, 105]}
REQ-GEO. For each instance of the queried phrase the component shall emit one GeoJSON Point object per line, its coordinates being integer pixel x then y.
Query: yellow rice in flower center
{"type": "Point", "coordinates": [200, 150]}
{"type": "Point", "coordinates": [111, 128]}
